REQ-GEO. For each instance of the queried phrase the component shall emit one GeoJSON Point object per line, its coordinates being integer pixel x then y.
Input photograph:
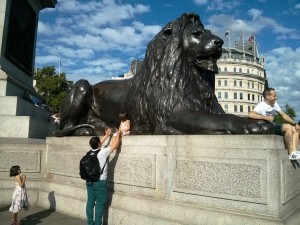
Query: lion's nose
{"type": "Point", "coordinates": [219, 42]}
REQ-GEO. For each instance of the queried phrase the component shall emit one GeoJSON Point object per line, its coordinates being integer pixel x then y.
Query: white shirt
{"type": "Point", "coordinates": [267, 110]}
{"type": "Point", "coordinates": [102, 156]}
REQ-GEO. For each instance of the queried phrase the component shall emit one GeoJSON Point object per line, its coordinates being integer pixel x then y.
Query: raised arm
{"type": "Point", "coordinates": [116, 142]}
{"type": "Point", "coordinates": [106, 135]}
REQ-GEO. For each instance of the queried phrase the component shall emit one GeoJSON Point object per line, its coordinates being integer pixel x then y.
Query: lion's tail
{"type": "Point", "coordinates": [68, 131]}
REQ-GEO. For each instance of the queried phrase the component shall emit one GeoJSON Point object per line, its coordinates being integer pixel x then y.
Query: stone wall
{"type": "Point", "coordinates": [19, 118]}
{"type": "Point", "coordinates": [207, 179]}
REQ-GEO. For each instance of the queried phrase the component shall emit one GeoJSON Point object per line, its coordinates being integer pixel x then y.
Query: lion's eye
{"type": "Point", "coordinates": [197, 32]}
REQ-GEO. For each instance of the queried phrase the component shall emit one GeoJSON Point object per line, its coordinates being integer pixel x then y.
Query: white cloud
{"type": "Point", "coordinates": [297, 6]}
{"type": "Point", "coordinates": [77, 6]}
{"type": "Point", "coordinates": [256, 24]}
{"type": "Point", "coordinates": [259, 22]}
{"type": "Point", "coordinates": [200, 2]}
{"type": "Point", "coordinates": [283, 71]}
{"type": "Point", "coordinates": [43, 28]}
{"type": "Point", "coordinates": [86, 30]}
{"type": "Point", "coordinates": [222, 5]}
{"type": "Point", "coordinates": [47, 60]}
{"type": "Point", "coordinates": [99, 14]}
{"type": "Point", "coordinates": [218, 5]}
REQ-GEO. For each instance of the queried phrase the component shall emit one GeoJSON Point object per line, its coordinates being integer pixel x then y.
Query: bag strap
{"type": "Point", "coordinates": [104, 166]}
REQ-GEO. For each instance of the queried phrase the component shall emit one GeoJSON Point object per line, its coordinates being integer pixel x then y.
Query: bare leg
{"type": "Point", "coordinates": [288, 138]}
{"type": "Point", "coordinates": [295, 138]}
{"type": "Point", "coordinates": [15, 218]}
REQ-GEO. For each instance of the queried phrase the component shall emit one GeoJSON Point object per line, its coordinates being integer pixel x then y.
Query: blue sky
{"type": "Point", "coordinates": [96, 40]}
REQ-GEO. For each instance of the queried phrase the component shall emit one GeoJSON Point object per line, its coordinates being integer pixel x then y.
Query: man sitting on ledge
{"type": "Point", "coordinates": [266, 110]}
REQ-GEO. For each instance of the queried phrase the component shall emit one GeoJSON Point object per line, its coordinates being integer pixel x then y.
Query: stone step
{"type": "Point", "coordinates": [25, 127]}
{"type": "Point", "coordinates": [16, 106]}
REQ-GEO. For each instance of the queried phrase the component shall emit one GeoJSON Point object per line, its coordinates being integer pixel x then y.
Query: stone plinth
{"type": "Point", "coordinates": [207, 179]}
{"type": "Point", "coordinates": [18, 31]}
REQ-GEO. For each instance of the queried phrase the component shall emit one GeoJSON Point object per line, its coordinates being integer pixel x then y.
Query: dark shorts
{"type": "Point", "coordinates": [277, 129]}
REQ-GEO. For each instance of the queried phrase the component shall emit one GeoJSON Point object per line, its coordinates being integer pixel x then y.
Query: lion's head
{"type": "Point", "coordinates": [186, 38]}
{"type": "Point", "coordinates": [177, 73]}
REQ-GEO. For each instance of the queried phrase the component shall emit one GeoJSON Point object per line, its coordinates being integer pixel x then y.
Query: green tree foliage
{"type": "Point", "coordinates": [289, 111]}
{"type": "Point", "coordinates": [52, 86]}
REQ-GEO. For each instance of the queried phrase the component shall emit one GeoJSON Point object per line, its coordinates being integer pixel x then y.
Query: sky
{"type": "Point", "coordinates": [96, 40]}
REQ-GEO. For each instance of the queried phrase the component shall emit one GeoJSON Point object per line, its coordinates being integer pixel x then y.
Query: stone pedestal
{"type": "Point", "coordinates": [166, 180]}
{"type": "Point", "coordinates": [18, 31]}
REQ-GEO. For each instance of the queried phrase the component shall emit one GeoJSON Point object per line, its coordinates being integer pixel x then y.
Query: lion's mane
{"type": "Point", "coordinates": [168, 81]}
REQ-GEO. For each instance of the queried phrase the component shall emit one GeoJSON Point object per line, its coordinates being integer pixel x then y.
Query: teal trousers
{"type": "Point", "coordinates": [96, 200]}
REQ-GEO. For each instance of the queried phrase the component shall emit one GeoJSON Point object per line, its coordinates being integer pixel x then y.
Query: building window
{"type": "Point", "coordinates": [226, 95]}
{"type": "Point", "coordinates": [252, 97]}
{"type": "Point", "coordinates": [226, 108]}
{"type": "Point", "coordinates": [225, 82]}
{"type": "Point", "coordinates": [252, 84]}
{"type": "Point", "coordinates": [248, 84]}
{"type": "Point", "coordinates": [235, 108]}
{"type": "Point", "coordinates": [241, 84]}
{"type": "Point", "coordinates": [241, 108]}
{"type": "Point", "coordinates": [225, 69]}
{"type": "Point", "coordinates": [249, 108]}
{"type": "Point", "coordinates": [219, 69]}
{"type": "Point", "coordinates": [241, 95]}
{"type": "Point", "coordinates": [247, 70]}
{"type": "Point", "coordinates": [219, 82]}
{"type": "Point", "coordinates": [219, 95]}
{"type": "Point", "coordinates": [234, 83]}
{"type": "Point", "coordinates": [235, 95]}
{"type": "Point", "coordinates": [249, 98]}
{"type": "Point", "coordinates": [240, 70]}
{"type": "Point", "coordinates": [234, 69]}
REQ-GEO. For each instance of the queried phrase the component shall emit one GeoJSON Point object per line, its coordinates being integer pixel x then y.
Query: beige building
{"type": "Point", "coordinates": [135, 66]}
{"type": "Point", "coordinates": [241, 78]}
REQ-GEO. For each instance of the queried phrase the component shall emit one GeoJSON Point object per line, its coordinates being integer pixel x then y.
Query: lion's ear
{"type": "Point", "coordinates": [167, 32]}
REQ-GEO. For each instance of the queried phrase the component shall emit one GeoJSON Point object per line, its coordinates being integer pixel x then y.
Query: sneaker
{"type": "Point", "coordinates": [298, 152]}
{"type": "Point", "coordinates": [294, 156]}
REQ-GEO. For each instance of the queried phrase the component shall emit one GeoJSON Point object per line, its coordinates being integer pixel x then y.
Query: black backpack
{"type": "Point", "coordinates": [89, 167]}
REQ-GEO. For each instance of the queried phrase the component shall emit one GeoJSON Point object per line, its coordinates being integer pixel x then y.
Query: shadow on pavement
{"type": "Point", "coordinates": [36, 218]}
{"type": "Point", "coordinates": [37, 215]}
{"type": "Point", "coordinates": [4, 208]}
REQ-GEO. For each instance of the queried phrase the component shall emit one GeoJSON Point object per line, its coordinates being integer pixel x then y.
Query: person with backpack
{"type": "Point", "coordinates": [97, 190]}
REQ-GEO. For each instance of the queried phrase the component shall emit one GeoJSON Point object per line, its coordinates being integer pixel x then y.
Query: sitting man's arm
{"type": "Point", "coordinates": [286, 118]}
{"type": "Point", "coordinates": [255, 115]}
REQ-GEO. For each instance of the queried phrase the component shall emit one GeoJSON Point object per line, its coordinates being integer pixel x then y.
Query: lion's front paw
{"type": "Point", "coordinates": [260, 127]}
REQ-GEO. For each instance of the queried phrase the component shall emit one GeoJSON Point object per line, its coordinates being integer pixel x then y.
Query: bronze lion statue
{"type": "Point", "coordinates": [172, 93]}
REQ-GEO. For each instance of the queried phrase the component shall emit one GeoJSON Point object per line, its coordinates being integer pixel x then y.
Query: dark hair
{"type": "Point", "coordinates": [123, 116]}
{"type": "Point", "coordinates": [267, 91]}
{"type": "Point", "coordinates": [94, 142]}
{"type": "Point", "coordinates": [14, 171]}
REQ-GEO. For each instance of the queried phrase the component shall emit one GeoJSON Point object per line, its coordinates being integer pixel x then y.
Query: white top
{"type": "Point", "coordinates": [265, 109]}
{"type": "Point", "coordinates": [102, 156]}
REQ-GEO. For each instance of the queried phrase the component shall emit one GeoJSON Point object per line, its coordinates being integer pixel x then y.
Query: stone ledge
{"type": "Point", "coordinates": [233, 181]}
